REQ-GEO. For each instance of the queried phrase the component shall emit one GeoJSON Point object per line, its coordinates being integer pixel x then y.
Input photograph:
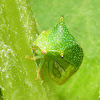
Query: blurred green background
{"type": "Point", "coordinates": [18, 30]}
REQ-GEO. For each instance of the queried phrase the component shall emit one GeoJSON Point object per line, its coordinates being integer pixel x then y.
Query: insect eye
{"type": "Point", "coordinates": [62, 56]}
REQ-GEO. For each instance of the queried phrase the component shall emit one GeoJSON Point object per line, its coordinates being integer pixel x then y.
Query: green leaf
{"type": "Point", "coordinates": [83, 22]}
{"type": "Point", "coordinates": [17, 74]}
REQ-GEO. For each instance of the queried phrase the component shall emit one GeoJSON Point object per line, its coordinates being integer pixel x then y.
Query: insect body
{"type": "Point", "coordinates": [60, 50]}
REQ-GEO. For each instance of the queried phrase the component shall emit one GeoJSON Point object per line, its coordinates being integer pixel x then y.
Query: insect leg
{"type": "Point", "coordinates": [43, 31]}
{"type": "Point", "coordinates": [35, 48]}
{"type": "Point", "coordinates": [36, 57]}
{"type": "Point", "coordinates": [42, 75]}
{"type": "Point", "coordinates": [38, 70]}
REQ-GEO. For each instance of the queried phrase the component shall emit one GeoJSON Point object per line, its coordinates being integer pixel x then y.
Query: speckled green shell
{"type": "Point", "coordinates": [64, 56]}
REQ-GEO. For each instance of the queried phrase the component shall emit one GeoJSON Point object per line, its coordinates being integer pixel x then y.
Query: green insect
{"type": "Point", "coordinates": [59, 49]}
